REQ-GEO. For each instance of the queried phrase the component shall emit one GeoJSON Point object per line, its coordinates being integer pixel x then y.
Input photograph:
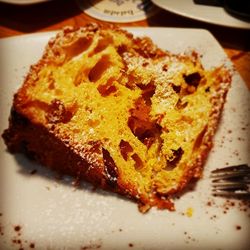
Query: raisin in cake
{"type": "Point", "coordinates": [118, 112]}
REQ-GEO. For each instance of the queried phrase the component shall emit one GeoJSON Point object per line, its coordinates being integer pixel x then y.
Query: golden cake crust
{"type": "Point", "coordinates": [117, 111]}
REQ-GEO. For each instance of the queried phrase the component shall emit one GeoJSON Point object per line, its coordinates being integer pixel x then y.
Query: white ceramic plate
{"type": "Point", "coordinates": [210, 14]}
{"type": "Point", "coordinates": [23, 2]}
{"type": "Point", "coordinates": [53, 214]}
{"type": "Point", "coordinates": [118, 11]}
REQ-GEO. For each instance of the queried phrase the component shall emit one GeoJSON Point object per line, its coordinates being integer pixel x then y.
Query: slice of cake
{"type": "Point", "coordinates": [118, 112]}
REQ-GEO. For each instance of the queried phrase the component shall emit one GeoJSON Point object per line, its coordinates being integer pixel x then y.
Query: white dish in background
{"type": "Point", "coordinates": [54, 215]}
{"type": "Point", "coordinates": [23, 2]}
{"type": "Point", "coordinates": [209, 14]}
{"type": "Point", "coordinates": [118, 11]}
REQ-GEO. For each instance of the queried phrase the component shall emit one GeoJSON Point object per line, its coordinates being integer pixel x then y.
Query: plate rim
{"type": "Point", "coordinates": [239, 25]}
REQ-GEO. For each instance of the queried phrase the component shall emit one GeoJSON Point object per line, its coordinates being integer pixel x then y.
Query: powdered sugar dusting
{"type": "Point", "coordinates": [55, 215]}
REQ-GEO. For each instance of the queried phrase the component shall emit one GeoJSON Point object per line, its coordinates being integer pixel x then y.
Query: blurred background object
{"type": "Point", "coordinates": [23, 2]}
{"type": "Point", "coordinates": [238, 8]}
{"type": "Point", "coordinates": [216, 12]}
{"type": "Point", "coordinates": [119, 11]}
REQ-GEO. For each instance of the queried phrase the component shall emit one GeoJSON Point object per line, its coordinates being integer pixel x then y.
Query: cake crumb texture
{"type": "Point", "coordinates": [117, 111]}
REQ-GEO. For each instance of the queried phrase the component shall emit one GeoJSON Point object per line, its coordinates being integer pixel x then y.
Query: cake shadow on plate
{"type": "Point", "coordinates": [31, 169]}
